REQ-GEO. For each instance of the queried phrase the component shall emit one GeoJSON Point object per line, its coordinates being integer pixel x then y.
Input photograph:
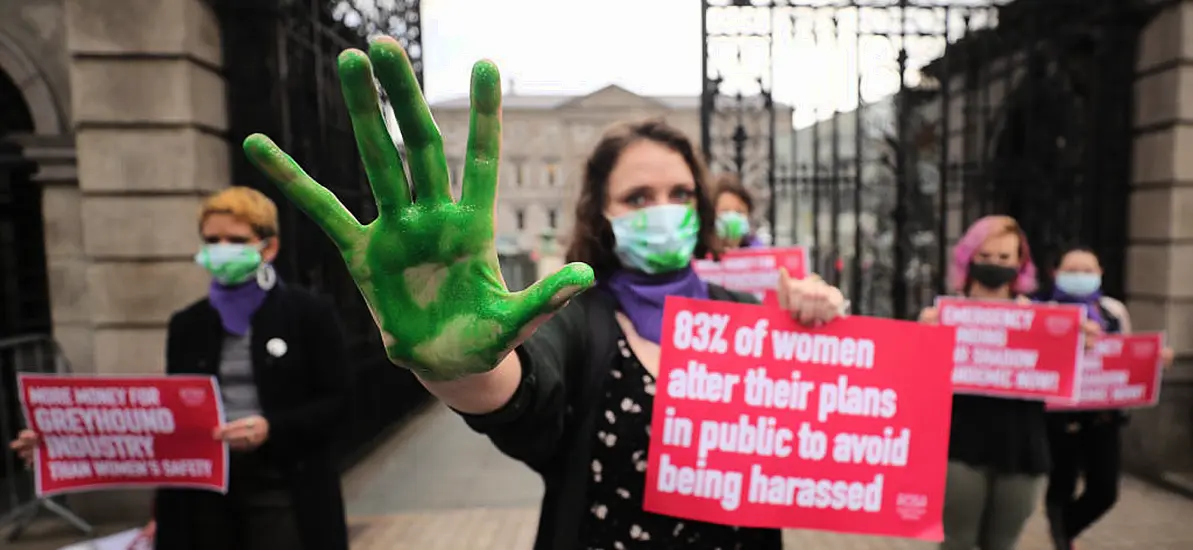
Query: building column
{"type": "Point", "coordinates": [1159, 441]}
{"type": "Point", "coordinates": [149, 115]}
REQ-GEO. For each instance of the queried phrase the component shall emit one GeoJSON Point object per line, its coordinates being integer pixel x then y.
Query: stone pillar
{"type": "Point", "coordinates": [1159, 441]}
{"type": "Point", "coordinates": [149, 114]}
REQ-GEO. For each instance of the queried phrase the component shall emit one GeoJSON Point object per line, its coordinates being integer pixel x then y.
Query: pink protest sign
{"type": "Point", "coordinates": [1018, 351]}
{"type": "Point", "coordinates": [760, 422]}
{"type": "Point", "coordinates": [1120, 372]}
{"type": "Point", "coordinates": [108, 432]}
{"type": "Point", "coordinates": [754, 270]}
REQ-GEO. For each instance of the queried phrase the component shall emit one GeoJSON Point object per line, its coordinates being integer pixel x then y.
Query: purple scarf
{"type": "Point", "coordinates": [751, 242]}
{"type": "Point", "coordinates": [237, 304]}
{"type": "Point", "coordinates": [641, 296]}
{"type": "Point", "coordinates": [1093, 311]}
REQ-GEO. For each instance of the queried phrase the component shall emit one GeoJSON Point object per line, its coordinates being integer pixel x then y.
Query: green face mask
{"type": "Point", "coordinates": [657, 239]}
{"type": "Point", "coordinates": [228, 263]}
{"type": "Point", "coordinates": [732, 225]}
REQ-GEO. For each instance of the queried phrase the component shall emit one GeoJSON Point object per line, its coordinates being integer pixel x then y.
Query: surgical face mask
{"type": "Point", "coordinates": [732, 225]}
{"type": "Point", "coordinates": [1078, 285]}
{"type": "Point", "coordinates": [230, 263]}
{"type": "Point", "coordinates": [992, 276]}
{"type": "Point", "coordinates": [657, 239]}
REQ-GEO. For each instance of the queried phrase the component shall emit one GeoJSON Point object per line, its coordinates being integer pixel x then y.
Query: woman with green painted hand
{"type": "Point", "coordinates": [564, 386]}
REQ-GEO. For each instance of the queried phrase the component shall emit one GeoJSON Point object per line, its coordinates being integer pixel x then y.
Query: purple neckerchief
{"type": "Point", "coordinates": [237, 304]}
{"type": "Point", "coordinates": [1093, 311]}
{"type": "Point", "coordinates": [641, 295]}
{"type": "Point", "coordinates": [751, 242]}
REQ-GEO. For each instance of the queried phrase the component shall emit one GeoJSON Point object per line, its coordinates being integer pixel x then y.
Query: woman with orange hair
{"type": "Point", "coordinates": [998, 448]}
{"type": "Point", "coordinates": [278, 353]}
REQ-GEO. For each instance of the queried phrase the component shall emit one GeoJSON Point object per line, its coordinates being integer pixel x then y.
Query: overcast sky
{"type": "Point", "coordinates": [653, 47]}
{"type": "Point", "coordinates": [564, 46]}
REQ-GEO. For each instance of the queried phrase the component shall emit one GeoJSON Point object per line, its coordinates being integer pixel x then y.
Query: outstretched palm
{"type": "Point", "coordinates": [428, 269]}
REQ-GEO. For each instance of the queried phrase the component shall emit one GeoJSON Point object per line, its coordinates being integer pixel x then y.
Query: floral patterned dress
{"type": "Point", "coordinates": [616, 520]}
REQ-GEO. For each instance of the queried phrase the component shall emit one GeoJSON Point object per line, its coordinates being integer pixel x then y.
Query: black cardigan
{"type": "Point", "coordinates": [548, 422]}
{"type": "Point", "coordinates": [303, 395]}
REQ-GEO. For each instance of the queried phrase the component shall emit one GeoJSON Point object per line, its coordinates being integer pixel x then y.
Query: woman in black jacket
{"type": "Point", "coordinates": [568, 394]}
{"type": "Point", "coordinates": [1085, 445]}
{"type": "Point", "coordinates": [278, 352]}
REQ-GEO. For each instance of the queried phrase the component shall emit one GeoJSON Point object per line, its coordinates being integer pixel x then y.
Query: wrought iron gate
{"type": "Point", "coordinates": [911, 118]}
{"type": "Point", "coordinates": [280, 70]}
{"type": "Point", "coordinates": [280, 66]}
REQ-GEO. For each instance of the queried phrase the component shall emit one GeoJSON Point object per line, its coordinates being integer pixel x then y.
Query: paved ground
{"type": "Point", "coordinates": [437, 486]}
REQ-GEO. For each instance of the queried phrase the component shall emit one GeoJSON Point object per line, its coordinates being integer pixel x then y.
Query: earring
{"type": "Point", "coordinates": [267, 277]}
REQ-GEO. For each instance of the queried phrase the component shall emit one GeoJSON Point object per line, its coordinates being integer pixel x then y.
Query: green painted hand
{"type": "Point", "coordinates": [427, 268]}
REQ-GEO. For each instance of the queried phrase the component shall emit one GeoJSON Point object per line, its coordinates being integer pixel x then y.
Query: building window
{"type": "Point", "coordinates": [520, 219]}
{"type": "Point", "coordinates": [552, 173]}
{"type": "Point", "coordinates": [552, 219]}
{"type": "Point", "coordinates": [519, 172]}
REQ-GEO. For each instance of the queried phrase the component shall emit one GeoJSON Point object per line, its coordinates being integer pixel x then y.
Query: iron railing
{"type": "Point", "coordinates": [925, 115]}
{"type": "Point", "coordinates": [280, 72]}
{"type": "Point", "coordinates": [40, 354]}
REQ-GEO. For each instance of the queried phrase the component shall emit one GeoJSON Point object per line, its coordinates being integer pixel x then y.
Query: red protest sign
{"type": "Point", "coordinates": [1119, 372]}
{"type": "Point", "coordinates": [754, 270]}
{"type": "Point", "coordinates": [1012, 350]}
{"type": "Point", "coordinates": [758, 422]}
{"type": "Point", "coordinates": [108, 432]}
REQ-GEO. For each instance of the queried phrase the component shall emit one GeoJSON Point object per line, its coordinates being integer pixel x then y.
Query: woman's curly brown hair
{"type": "Point", "coordinates": [592, 236]}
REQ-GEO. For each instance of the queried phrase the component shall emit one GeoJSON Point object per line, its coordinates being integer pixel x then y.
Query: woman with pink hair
{"type": "Point", "coordinates": [998, 448]}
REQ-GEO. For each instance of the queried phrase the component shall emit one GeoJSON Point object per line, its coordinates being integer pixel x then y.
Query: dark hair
{"type": "Point", "coordinates": [592, 236]}
{"type": "Point", "coordinates": [730, 183]}
{"type": "Point", "coordinates": [1060, 256]}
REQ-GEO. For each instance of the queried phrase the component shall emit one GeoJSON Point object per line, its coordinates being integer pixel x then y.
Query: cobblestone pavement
{"type": "Point", "coordinates": [438, 486]}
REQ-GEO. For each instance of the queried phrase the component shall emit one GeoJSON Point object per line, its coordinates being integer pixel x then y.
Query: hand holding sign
{"type": "Point", "coordinates": [25, 444]}
{"type": "Point", "coordinates": [930, 316]}
{"type": "Point", "coordinates": [1092, 330]}
{"type": "Point", "coordinates": [244, 434]}
{"type": "Point", "coordinates": [810, 301]}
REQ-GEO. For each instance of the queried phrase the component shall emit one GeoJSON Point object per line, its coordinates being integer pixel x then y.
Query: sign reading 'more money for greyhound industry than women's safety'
{"type": "Point", "coordinates": [107, 432]}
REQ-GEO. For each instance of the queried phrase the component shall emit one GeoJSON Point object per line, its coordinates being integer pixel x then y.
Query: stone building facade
{"type": "Point", "coordinates": [128, 108]}
{"type": "Point", "coordinates": [128, 132]}
{"type": "Point", "coordinates": [546, 140]}
{"type": "Point", "coordinates": [1159, 253]}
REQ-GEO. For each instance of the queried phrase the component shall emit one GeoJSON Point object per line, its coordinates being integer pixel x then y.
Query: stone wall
{"type": "Point", "coordinates": [149, 115]}
{"type": "Point", "coordinates": [1160, 255]}
{"type": "Point", "coordinates": [33, 54]}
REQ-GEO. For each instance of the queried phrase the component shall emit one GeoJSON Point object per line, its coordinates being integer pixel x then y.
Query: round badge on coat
{"type": "Point", "coordinates": [276, 347]}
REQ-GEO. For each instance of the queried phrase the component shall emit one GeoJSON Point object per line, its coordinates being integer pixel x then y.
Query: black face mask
{"type": "Point", "coordinates": [992, 276]}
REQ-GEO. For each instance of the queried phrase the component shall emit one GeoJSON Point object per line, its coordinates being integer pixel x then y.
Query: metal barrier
{"type": "Point", "coordinates": [34, 353]}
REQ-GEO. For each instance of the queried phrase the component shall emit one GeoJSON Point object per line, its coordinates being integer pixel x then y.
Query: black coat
{"type": "Point", "coordinates": [303, 395]}
{"type": "Point", "coordinates": [549, 421]}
